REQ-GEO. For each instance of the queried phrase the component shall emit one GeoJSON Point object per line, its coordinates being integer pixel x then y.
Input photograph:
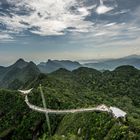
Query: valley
{"type": "Point", "coordinates": [66, 90]}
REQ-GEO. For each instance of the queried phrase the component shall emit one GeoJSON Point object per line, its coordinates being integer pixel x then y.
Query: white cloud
{"type": "Point", "coordinates": [48, 17]}
{"type": "Point", "coordinates": [104, 34]}
{"type": "Point", "coordinates": [124, 11]}
{"type": "Point", "coordinates": [110, 24]}
{"type": "Point", "coordinates": [102, 9]}
{"type": "Point", "coordinates": [13, 24]}
{"type": "Point", "coordinates": [100, 34]}
{"type": "Point", "coordinates": [56, 17]}
{"type": "Point", "coordinates": [5, 37]}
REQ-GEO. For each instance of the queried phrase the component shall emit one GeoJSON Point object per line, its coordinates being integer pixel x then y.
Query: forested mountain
{"type": "Point", "coordinates": [99, 64]}
{"type": "Point", "coordinates": [18, 74]}
{"type": "Point", "coordinates": [83, 87]}
{"type": "Point", "coordinates": [53, 65]}
{"type": "Point", "coordinates": [111, 64]}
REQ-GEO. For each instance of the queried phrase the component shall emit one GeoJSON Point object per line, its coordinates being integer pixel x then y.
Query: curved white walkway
{"type": "Point", "coordinates": [116, 112]}
{"type": "Point", "coordinates": [101, 108]}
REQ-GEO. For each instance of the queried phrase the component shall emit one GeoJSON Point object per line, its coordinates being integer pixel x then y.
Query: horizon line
{"type": "Point", "coordinates": [81, 61]}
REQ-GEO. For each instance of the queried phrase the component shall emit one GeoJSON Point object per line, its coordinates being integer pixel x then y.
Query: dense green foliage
{"type": "Point", "coordinates": [18, 75]}
{"type": "Point", "coordinates": [83, 87]}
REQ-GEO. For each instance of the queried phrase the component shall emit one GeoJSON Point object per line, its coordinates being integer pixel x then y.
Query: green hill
{"type": "Point", "coordinates": [66, 90]}
{"type": "Point", "coordinates": [18, 74]}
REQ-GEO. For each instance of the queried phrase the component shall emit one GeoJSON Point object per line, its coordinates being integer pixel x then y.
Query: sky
{"type": "Point", "coordinates": [38, 30]}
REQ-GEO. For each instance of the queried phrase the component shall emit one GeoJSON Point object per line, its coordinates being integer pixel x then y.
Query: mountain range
{"type": "Point", "coordinates": [53, 65]}
{"type": "Point", "coordinates": [21, 71]}
{"type": "Point", "coordinates": [99, 64]}
{"type": "Point", "coordinates": [80, 88]}
{"type": "Point", "coordinates": [111, 64]}
{"type": "Point", "coordinates": [18, 74]}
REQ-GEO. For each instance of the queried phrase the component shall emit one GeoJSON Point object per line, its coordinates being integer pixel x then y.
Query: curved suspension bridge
{"type": "Point", "coordinates": [116, 112]}
{"type": "Point", "coordinates": [101, 108]}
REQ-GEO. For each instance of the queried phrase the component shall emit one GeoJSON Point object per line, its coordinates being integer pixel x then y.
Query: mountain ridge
{"type": "Point", "coordinates": [19, 72]}
{"type": "Point", "coordinates": [80, 88]}
{"type": "Point", "coordinates": [111, 64]}
{"type": "Point", "coordinates": [53, 65]}
{"type": "Point", "coordinates": [99, 64]}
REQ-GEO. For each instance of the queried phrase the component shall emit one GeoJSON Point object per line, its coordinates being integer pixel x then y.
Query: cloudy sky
{"type": "Point", "coordinates": [68, 29]}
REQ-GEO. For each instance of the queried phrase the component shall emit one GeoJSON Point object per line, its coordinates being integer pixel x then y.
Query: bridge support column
{"type": "Point", "coordinates": [45, 107]}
